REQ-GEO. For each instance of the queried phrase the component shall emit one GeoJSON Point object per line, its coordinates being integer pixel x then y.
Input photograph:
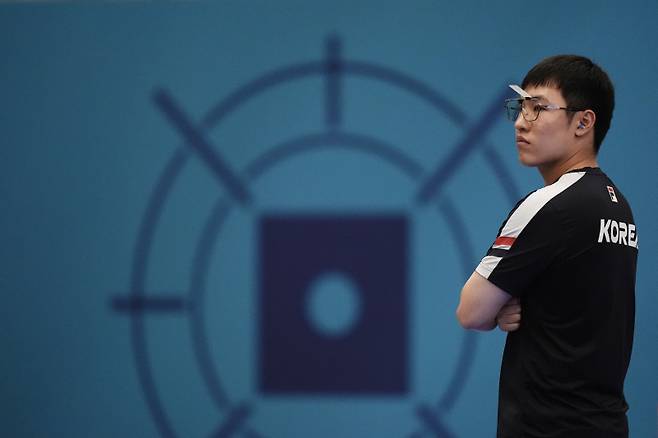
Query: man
{"type": "Point", "coordinates": [560, 275]}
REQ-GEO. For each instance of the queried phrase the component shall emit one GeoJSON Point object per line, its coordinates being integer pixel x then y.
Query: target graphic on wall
{"type": "Point", "coordinates": [283, 295]}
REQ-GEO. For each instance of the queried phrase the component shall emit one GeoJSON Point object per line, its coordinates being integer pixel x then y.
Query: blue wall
{"type": "Point", "coordinates": [147, 287]}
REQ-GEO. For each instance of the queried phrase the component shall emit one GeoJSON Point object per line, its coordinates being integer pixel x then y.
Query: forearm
{"type": "Point", "coordinates": [485, 327]}
{"type": "Point", "coordinates": [475, 325]}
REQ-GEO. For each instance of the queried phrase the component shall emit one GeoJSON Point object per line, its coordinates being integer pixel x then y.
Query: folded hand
{"type": "Point", "coordinates": [509, 316]}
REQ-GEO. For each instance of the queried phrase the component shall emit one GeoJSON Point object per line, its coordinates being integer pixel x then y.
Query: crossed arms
{"type": "Point", "coordinates": [483, 305]}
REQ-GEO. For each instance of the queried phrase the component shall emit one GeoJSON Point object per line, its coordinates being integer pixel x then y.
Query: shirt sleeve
{"type": "Point", "coordinates": [528, 241]}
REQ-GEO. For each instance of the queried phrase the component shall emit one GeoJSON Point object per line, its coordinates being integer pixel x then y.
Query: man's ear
{"type": "Point", "coordinates": [586, 122]}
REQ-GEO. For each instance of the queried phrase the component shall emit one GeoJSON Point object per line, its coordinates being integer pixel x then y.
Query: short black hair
{"type": "Point", "coordinates": [583, 85]}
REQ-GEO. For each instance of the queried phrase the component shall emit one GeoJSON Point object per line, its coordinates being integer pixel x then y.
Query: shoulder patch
{"type": "Point", "coordinates": [611, 192]}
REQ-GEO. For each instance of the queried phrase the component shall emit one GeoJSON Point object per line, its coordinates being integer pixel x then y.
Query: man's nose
{"type": "Point", "coordinates": [521, 124]}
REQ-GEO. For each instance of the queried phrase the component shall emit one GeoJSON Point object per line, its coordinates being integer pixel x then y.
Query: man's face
{"type": "Point", "coordinates": [549, 139]}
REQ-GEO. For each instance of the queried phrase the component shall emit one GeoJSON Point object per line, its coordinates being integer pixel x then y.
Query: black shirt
{"type": "Point", "coordinates": [569, 251]}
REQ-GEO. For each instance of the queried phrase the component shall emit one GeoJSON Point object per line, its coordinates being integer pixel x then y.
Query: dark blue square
{"type": "Point", "coordinates": [372, 357]}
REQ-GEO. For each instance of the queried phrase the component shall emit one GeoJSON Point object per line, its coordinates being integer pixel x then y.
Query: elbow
{"type": "Point", "coordinates": [464, 318]}
{"type": "Point", "coordinates": [479, 303]}
{"type": "Point", "coordinates": [470, 321]}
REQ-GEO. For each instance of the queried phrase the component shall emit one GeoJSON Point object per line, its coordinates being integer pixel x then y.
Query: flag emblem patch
{"type": "Point", "coordinates": [611, 192]}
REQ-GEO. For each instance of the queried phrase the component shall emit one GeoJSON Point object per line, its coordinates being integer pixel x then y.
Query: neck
{"type": "Point", "coordinates": [553, 171]}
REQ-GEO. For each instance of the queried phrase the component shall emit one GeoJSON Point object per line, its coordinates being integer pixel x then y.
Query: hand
{"type": "Point", "coordinates": [509, 316]}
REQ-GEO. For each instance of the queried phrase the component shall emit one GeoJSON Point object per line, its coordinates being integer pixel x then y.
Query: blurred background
{"type": "Point", "coordinates": [254, 218]}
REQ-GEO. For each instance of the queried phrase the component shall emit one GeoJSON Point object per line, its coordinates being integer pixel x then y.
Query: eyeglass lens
{"type": "Point", "coordinates": [530, 108]}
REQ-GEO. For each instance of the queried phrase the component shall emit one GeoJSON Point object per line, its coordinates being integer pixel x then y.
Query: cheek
{"type": "Point", "coordinates": [551, 141]}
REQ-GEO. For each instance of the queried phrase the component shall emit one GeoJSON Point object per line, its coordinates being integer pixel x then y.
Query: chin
{"type": "Point", "coordinates": [528, 161]}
